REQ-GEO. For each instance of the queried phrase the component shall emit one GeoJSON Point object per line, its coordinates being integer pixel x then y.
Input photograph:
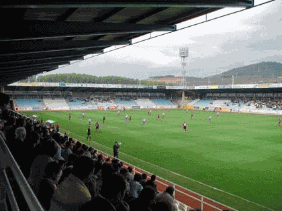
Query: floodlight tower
{"type": "Point", "coordinates": [183, 53]}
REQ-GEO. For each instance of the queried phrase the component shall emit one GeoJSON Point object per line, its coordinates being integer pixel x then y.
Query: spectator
{"type": "Point", "coordinates": [123, 173]}
{"type": "Point", "coordinates": [113, 189]}
{"type": "Point", "coordinates": [143, 179]}
{"type": "Point", "coordinates": [144, 201]}
{"type": "Point", "coordinates": [69, 166]}
{"type": "Point", "coordinates": [167, 196]}
{"type": "Point", "coordinates": [74, 185]}
{"type": "Point", "coordinates": [129, 174]}
{"type": "Point", "coordinates": [47, 184]}
{"type": "Point", "coordinates": [18, 147]}
{"type": "Point", "coordinates": [49, 149]}
{"type": "Point", "coordinates": [151, 182]}
{"type": "Point", "coordinates": [135, 186]}
{"type": "Point", "coordinates": [67, 151]}
{"type": "Point", "coordinates": [163, 206]}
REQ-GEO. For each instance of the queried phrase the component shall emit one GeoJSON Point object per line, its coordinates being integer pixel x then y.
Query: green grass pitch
{"type": "Point", "coordinates": [237, 153]}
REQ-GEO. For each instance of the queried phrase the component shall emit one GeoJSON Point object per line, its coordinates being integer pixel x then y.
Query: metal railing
{"type": "Point", "coordinates": [7, 160]}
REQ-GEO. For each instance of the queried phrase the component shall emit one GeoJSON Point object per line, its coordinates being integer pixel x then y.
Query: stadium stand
{"type": "Point", "coordinates": [162, 103]}
{"type": "Point", "coordinates": [125, 103]}
{"type": "Point", "coordinates": [145, 103]}
{"type": "Point", "coordinates": [56, 103]}
{"type": "Point", "coordinates": [203, 103]}
{"type": "Point", "coordinates": [29, 104]}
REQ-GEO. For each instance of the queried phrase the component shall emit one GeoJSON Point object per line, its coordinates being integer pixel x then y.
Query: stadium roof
{"type": "Point", "coordinates": [37, 37]}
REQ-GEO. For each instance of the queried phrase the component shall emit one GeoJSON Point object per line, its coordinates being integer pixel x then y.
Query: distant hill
{"type": "Point", "coordinates": [263, 69]}
{"type": "Point", "coordinates": [83, 78]}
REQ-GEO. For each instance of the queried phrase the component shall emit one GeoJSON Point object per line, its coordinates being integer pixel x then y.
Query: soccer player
{"type": "Point", "coordinates": [89, 133]}
{"type": "Point", "coordinates": [184, 126]}
{"type": "Point", "coordinates": [158, 117]}
{"type": "Point", "coordinates": [143, 121]}
{"type": "Point", "coordinates": [104, 118]}
{"type": "Point", "coordinates": [192, 114]}
{"type": "Point", "coordinates": [187, 111]}
{"type": "Point", "coordinates": [210, 119]}
{"type": "Point", "coordinates": [82, 115]}
{"type": "Point", "coordinates": [126, 117]}
{"type": "Point", "coordinates": [279, 122]}
{"type": "Point", "coordinates": [69, 116]}
{"type": "Point", "coordinates": [217, 114]}
{"type": "Point", "coordinates": [118, 113]}
{"type": "Point", "coordinates": [97, 125]}
{"type": "Point", "coordinates": [89, 122]}
{"type": "Point", "coordinates": [130, 118]}
{"type": "Point", "coordinates": [163, 115]}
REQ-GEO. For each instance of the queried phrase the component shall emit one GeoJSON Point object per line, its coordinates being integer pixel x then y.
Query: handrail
{"type": "Point", "coordinates": [31, 199]}
{"type": "Point", "coordinates": [10, 193]}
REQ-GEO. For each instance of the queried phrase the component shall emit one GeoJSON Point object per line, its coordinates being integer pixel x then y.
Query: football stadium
{"type": "Point", "coordinates": [167, 143]}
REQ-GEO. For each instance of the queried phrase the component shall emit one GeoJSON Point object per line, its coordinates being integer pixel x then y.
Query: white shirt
{"type": "Point", "coordinates": [144, 120]}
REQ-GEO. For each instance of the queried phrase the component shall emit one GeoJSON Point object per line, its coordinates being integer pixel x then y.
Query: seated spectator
{"type": "Point", "coordinates": [58, 155]}
{"type": "Point", "coordinates": [47, 184]}
{"type": "Point", "coordinates": [67, 151]}
{"type": "Point", "coordinates": [143, 179]}
{"type": "Point", "coordinates": [72, 192]}
{"type": "Point", "coordinates": [151, 182]}
{"type": "Point", "coordinates": [123, 173]}
{"type": "Point", "coordinates": [144, 201]}
{"type": "Point", "coordinates": [18, 147]}
{"type": "Point", "coordinates": [49, 149]}
{"type": "Point", "coordinates": [69, 166]}
{"type": "Point", "coordinates": [167, 196]}
{"type": "Point", "coordinates": [163, 206]}
{"type": "Point", "coordinates": [130, 175]}
{"type": "Point", "coordinates": [135, 186]}
{"type": "Point", "coordinates": [113, 189]}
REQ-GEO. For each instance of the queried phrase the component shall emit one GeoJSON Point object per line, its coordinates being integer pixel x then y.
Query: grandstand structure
{"type": "Point", "coordinates": [73, 30]}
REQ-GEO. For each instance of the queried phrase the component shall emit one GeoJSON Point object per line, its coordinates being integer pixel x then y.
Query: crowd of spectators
{"type": "Point", "coordinates": [67, 175]}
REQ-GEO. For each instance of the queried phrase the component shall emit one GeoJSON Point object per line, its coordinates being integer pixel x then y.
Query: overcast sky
{"type": "Point", "coordinates": [244, 38]}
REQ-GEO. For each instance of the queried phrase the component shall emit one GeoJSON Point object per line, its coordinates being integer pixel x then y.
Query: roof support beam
{"type": "Point", "coordinates": [23, 63]}
{"type": "Point", "coordinates": [30, 30]}
{"type": "Point", "coordinates": [48, 55]}
{"type": "Point", "coordinates": [43, 68]}
{"type": "Point", "coordinates": [34, 65]}
{"type": "Point", "coordinates": [120, 3]}
{"type": "Point", "coordinates": [36, 46]}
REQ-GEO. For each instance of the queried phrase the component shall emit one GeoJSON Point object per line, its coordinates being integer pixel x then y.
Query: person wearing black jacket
{"type": "Point", "coordinates": [115, 149]}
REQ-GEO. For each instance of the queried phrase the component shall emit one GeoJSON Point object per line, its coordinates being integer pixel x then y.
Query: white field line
{"type": "Point", "coordinates": [185, 178]}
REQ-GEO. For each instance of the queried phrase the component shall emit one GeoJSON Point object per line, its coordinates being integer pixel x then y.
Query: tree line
{"type": "Point", "coordinates": [83, 78]}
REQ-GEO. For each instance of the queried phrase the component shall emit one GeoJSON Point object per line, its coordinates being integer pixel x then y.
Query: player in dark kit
{"type": "Point", "coordinates": [184, 126]}
{"type": "Point", "coordinates": [69, 116]}
{"type": "Point", "coordinates": [130, 118]}
{"type": "Point", "coordinates": [104, 118]}
{"type": "Point", "coordinates": [158, 117]}
{"type": "Point", "coordinates": [279, 122]}
{"type": "Point", "coordinates": [192, 114]}
{"type": "Point", "coordinates": [97, 125]}
{"type": "Point", "coordinates": [89, 133]}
